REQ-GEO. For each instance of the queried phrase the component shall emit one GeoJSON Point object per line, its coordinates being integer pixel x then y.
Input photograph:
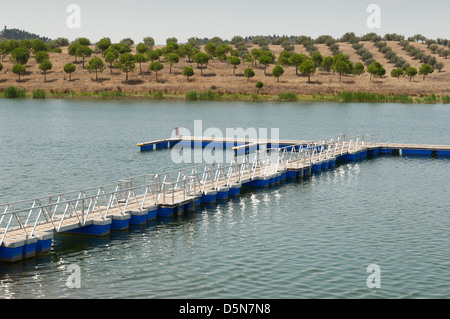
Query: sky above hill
{"type": "Point", "coordinates": [136, 19]}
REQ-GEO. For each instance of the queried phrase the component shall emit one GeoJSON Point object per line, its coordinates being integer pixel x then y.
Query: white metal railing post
{"type": "Point", "coordinates": [173, 194]}
{"type": "Point", "coordinates": [6, 230]}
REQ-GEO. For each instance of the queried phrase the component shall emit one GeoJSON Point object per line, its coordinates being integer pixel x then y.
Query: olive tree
{"type": "Point", "coordinates": [358, 69]}
{"type": "Point", "coordinates": [445, 53]}
{"type": "Point", "coordinates": [156, 67]}
{"type": "Point", "coordinates": [235, 61]}
{"type": "Point", "coordinates": [38, 46]}
{"type": "Point", "coordinates": [142, 48]}
{"type": "Point", "coordinates": [140, 58]}
{"type": "Point", "coordinates": [201, 59]}
{"type": "Point", "coordinates": [110, 57]}
{"type": "Point", "coordinates": [45, 66]}
{"type": "Point", "coordinates": [188, 72]}
{"type": "Point", "coordinates": [5, 49]}
{"type": "Point", "coordinates": [19, 69]}
{"type": "Point", "coordinates": [397, 73]}
{"type": "Point", "coordinates": [104, 44]}
{"type": "Point", "coordinates": [41, 56]}
{"type": "Point", "coordinates": [411, 72]}
{"type": "Point", "coordinates": [83, 52]}
{"type": "Point", "coordinates": [376, 70]}
{"type": "Point", "coordinates": [297, 59]}
{"type": "Point", "coordinates": [425, 70]}
{"type": "Point", "coordinates": [255, 54]}
{"type": "Point", "coordinates": [265, 59]}
{"type": "Point", "coordinates": [307, 67]}
{"type": "Point", "coordinates": [171, 47]}
{"type": "Point", "coordinates": [195, 42]}
{"type": "Point", "coordinates": [317, 58]}
{"type": "Point", "coordinates": [171, 59]}
{"type": "Point", "coordinates": [222, 51]}
{"type": "Point", "coordinates": [153, 55]}
{"type": "Point", "coordinates": [439, 66]}
{"type": "Point", "coordinates": [70, 68]}
{"type": "Point", "coordinates": [249, 73]}
{"type": "Point", "coordinates": [216, 40]}
{"type": "Point", "coordinates": [283, 58]}
{"type": "Point", "coordinates": [20, 55]}
{"type": "Point", "coordinates": [149, 42]}
{"type": "Point", "coordinates": [95, 65]}
{"type": "Point", "coordinates": [259, 85]}
{"type": "Point", "coordinates": [83, 41]}
{"type": "Point", "coordinates": [433, 48]}
{"type": "Point", "coordinates": [126, 63]}
{"type": "Point", "coordinates": [121, 47]}
{"type": "Point", "coordinates": [210, 48]}
{"type": "Point", "coordinates": [171, 39]}
{"type": "Point", "coordinates": [277, 72]}
{"type": "Point", "coordinates": [72, 50]}
{"type": "Point", "coordinates": [186, 50]}
{"type": "Point", "coordinates": [327, 63]}
{"type": "Point", "coordinates": [127, 41]}
{"type": "Point", "coordinates": [342, 65]}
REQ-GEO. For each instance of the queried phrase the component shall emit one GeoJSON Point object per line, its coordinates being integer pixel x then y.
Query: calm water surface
{"type": "Point", "coordinates": [309, 239]}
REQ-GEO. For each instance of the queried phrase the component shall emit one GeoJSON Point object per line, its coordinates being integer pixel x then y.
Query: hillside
{"type": "Point", "coordinates": [218, 76]}
{"type": "Point", "coordinates": [16, 34]}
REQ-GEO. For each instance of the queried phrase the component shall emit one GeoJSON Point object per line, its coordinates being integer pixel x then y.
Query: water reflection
{"type": "Point", "coordinates": [311, 238]}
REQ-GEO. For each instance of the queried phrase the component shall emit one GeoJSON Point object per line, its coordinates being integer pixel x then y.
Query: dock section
{"type": "Point", "coordinates": [239, 145]}
{"type": "Point", "coordinates": [28, 227]}
{"type": "Point", "coordinates": [415, 149]}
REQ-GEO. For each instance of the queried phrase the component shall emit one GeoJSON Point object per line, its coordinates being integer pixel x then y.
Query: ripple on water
{"type": "Point", "coordinates": [309, 239]}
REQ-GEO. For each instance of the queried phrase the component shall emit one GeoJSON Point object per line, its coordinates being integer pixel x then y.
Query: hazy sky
{"type": "Point", "coordinates": [183, 19]}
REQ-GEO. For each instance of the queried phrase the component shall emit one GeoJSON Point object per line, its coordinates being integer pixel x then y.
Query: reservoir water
{"type": "Point", "coordinates": [303, 239]}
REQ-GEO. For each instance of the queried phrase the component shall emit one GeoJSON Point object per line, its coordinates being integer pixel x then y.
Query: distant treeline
{"type": "Point", "coordinates": [261, 40]}
{"type": "Point", "coordinates": [119, 56]}
{"type": "Point", "coordinates": [349, 37]}
{"type": "Point", "coordinates": [16, 34]}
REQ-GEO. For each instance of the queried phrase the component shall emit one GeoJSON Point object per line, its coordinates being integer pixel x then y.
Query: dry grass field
{"type": "Point", "coordinates": [218, 76]}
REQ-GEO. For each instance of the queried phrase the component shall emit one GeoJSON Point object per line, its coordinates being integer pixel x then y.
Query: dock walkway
{"type": "Point", "coordinates": [27, 227]}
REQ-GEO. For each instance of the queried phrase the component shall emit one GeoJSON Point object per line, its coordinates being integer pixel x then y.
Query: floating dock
{"type": "Point", "coordinates": [246, 144]}
{"type": "Point", "coordinates": [28, 227]}
{"type": "Point", "coordinates": [239, 145]}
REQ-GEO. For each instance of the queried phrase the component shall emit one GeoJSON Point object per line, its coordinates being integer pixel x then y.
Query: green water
{"type": "Point", "coordinates": [308, 239]}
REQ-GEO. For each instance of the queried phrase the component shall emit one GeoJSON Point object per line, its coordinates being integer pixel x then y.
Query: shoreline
{"type": "Point", "coordinates": [220, 81]}
{"type": "Point", "coordinates": [210, 95]}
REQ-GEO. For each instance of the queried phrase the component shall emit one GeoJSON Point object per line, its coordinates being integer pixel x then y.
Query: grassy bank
{"type": "Point", "coordinates": [193, 95]}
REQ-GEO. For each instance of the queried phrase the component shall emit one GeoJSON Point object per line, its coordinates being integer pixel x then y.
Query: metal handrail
{"type": "Point", "coordinates": [46, 209]}
{"type": "Point", "coordinates": [129, 191]}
